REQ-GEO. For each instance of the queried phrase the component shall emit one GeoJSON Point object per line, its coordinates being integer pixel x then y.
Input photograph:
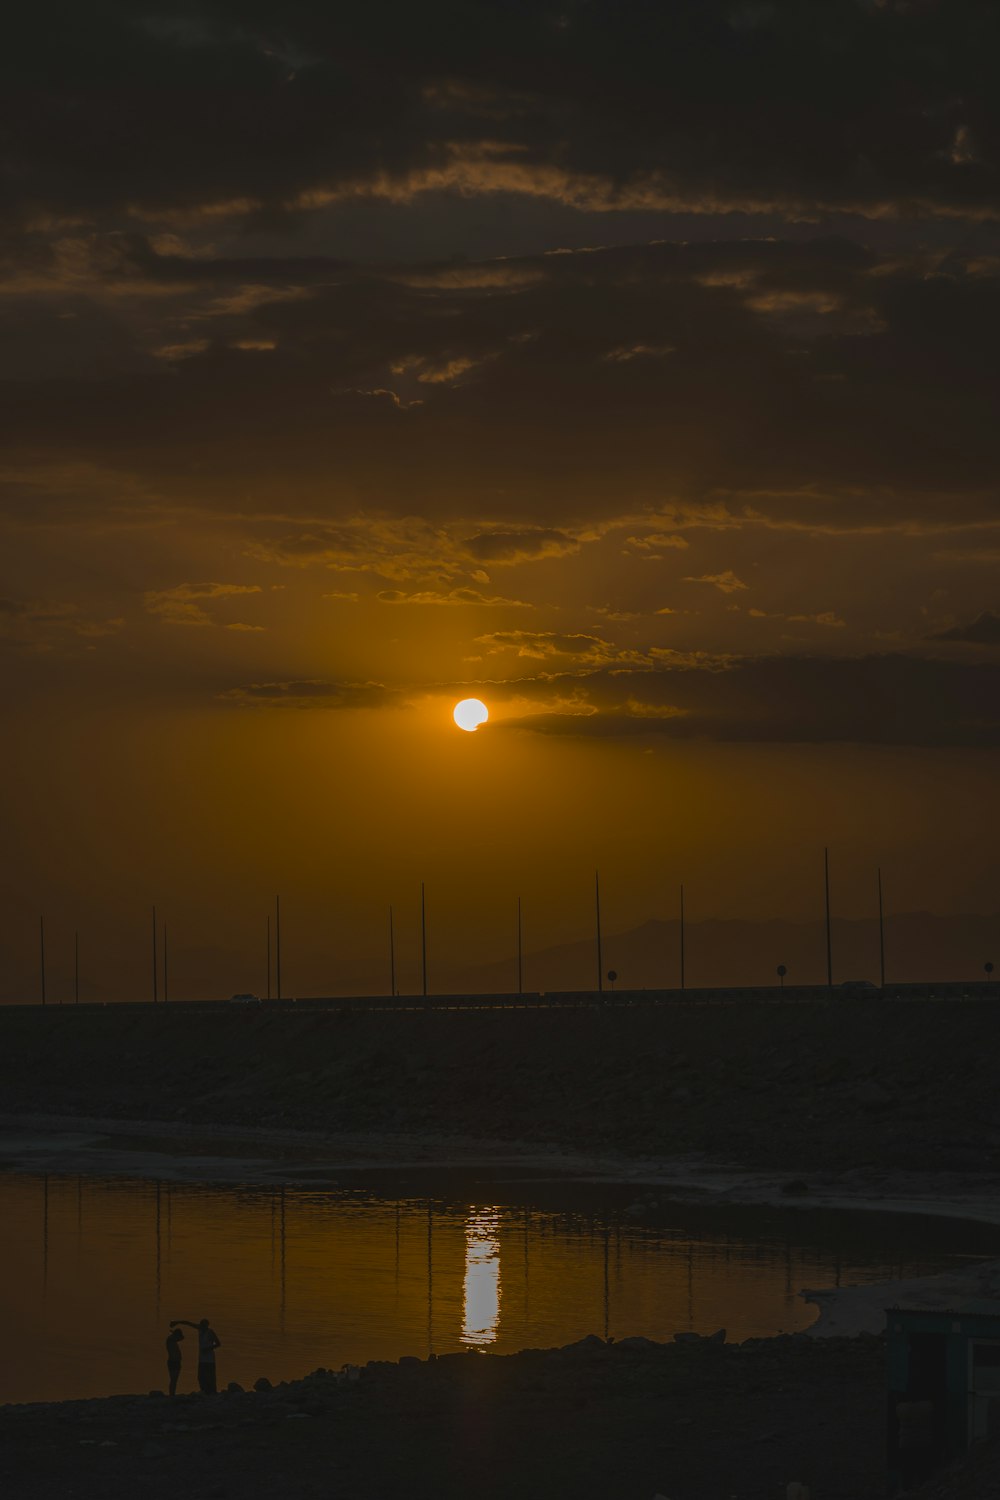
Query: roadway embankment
{"type": "Point", "coordinates": [899, 1085]}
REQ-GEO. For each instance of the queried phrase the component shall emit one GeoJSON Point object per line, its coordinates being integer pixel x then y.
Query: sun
{"type": "Point", "coordinates": [470, 713]}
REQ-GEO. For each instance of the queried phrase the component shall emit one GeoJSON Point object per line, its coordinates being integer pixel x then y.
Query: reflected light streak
{"type": "Point", "coordinates": [481, 1310]}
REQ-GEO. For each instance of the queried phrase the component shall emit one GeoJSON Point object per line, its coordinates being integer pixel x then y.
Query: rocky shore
{"type": "Point", "coordinates": [692, 1420]}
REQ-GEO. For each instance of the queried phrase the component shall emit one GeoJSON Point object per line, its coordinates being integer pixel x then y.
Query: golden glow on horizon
{"type": "Point", "coordinates": [470, 713]}
{"type": "Point", "coordinates": [481, 1305]}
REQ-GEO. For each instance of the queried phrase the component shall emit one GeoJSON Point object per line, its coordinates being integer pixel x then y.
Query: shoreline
{"type": "Point", "coordinates": [689, 1418]}
{"type": "Point", "coordinates": [299, 1158]}
{"type": "Point", "coordinates": [72, 1145]}
{"type": "Point", "coordinates": [812, 1093]}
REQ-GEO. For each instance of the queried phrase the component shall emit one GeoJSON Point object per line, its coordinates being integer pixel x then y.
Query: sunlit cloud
{"type": "Point", "coordinates": [456, 596]}
{"type": "Point", "coordinates": [726, 582]}
{"type": "Point", "coordinates": [184, 604]}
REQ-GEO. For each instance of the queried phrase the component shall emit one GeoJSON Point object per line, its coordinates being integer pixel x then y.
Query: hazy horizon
{"type": "Point", "coordinates": [719, 951]}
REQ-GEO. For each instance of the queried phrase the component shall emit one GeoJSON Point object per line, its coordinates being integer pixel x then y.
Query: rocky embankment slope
{"type": "Point", "coordinates": [796, 1087]}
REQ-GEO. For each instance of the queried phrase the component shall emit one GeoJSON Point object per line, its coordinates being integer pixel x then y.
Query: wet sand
{"type": "Point", "coordinates": [172, 1151]}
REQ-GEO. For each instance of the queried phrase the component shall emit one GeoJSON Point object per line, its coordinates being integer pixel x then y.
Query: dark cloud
{"type": "Point", "coordinates": [817, 385]}
{"type": "Point", "coordinates": [516, 546]}
{"type": "Point", "coordinates": [982, 631]}
{"type": "Point", "coordinates": [605, 104]}
{"type": "Point", "coordinates": [887, 700]}
{"type": "Point", "coordinates": [53, 626]}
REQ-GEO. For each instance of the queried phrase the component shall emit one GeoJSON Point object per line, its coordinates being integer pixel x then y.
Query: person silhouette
{"type": "Point", "coordinates": [208, 1342]}
{"type": "Point", "coordinates": [174, 1357]}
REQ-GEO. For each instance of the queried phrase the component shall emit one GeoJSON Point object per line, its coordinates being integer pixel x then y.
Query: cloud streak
{"type": "Point", "coordinates": [185, 603]}
{"type": "Point", "coordinates": [703, 107]}
{"type": "Point", "coordinates": [874, 700]}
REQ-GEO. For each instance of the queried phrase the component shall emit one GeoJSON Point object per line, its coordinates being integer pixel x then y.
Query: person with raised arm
{"type": "Point", "coordinates": [208, 1342]}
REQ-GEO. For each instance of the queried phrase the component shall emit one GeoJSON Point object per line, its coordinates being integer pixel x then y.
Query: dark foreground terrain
{"type": "Point", "coordinates": [836, 1085]}
{"type": "Point", "coordinates": [876, 1086]}
{"type": "Point", "coordinates": [690, 1421]}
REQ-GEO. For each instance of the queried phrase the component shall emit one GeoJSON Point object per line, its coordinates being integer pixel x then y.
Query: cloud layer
{"type": "Point", "coordinates": [722, 462]}
{"type": "Point", "coordinates": [701, 105]}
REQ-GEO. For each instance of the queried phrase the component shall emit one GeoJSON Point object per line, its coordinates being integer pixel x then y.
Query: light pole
{"type": "Point", "coordinates": [423, 939]}
{"type": "Point", "coordinates": [881, 934]}
{"type": "Point", "coordinates": [829, 950]}
{"type": "Point", "coordinates": [682, 939]}
{"type": "Point", "coordinates": [520, 964]}
{"type": "Point", "coordinates": [277, 945]}
{"type": "Point", "coordinates": [597, 912]}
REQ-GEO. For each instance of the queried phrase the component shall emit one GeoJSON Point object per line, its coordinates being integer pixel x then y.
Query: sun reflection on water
{"type": "Point", "coordinates": [296, 1277]}
{"type": "Point", "coordinates": [481, 1310]}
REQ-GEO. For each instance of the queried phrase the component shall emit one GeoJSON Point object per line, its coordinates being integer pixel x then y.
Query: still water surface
{"type": "Point", "coordinates": [292, 1278]}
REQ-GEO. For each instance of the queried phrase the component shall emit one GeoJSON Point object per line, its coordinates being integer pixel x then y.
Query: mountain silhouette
{"type": "Point", "coordinates": [918, 946]}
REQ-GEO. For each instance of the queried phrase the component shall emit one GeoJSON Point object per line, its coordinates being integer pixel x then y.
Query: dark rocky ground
{"type": "Point", "coordinates": [975, 1477]}
{"type": "Point", "coordinates": [690, 1421]}
{"type": "Point", "coordinates": [839, 1085]}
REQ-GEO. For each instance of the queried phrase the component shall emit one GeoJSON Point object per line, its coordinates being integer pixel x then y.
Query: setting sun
{"type": "Point", "coordinates": [470, 713]}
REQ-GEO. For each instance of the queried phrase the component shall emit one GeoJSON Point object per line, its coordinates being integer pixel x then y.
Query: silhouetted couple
{"type": "Point", "coordinates": [207, 1345]}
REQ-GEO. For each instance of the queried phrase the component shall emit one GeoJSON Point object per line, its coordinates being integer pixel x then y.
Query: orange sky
{"type": "Point", "coordinates": [348, 370]}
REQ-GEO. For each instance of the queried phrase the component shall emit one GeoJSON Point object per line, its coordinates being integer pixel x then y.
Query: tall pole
{"type": "Point", "coordinates": [829, 950]}
{"type": "Point", "coordinates": [597, 910]}
{"type": "Point", "coordinates": [269, 955]}
{"type": "Point", "coordinates": [520, 966]}
{"type": "Point", "coordinates": [423, 937]}
{"type": "Point", "coordinates": [881, 933]}
{"type": "Point", "coordinates": [76, 968]}
{"type": "Point", "coordinates": [41, 941]}
{"type": "Point", "coordinates": [277, 944]}
{"type": "Point", "coordinates": [154, 956]}
{"type": "Point", "coordinates": [682, 940]}
{"type": "Point", "coordinates": [166, 971]}
{"type": "Point", "coordinates": [392, 956]}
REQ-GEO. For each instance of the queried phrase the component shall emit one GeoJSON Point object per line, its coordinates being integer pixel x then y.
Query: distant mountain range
{"type": "Point", "coordinates": [918, 946]}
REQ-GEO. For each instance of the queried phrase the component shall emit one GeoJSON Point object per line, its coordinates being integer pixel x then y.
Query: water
{"type": "Point", "coordinates": [91, 1271]}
